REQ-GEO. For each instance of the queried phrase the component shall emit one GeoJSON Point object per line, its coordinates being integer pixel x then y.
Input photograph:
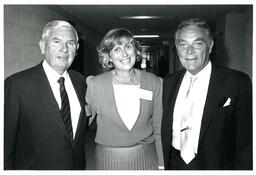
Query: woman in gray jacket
{"type": "Point", "coordinates": [128, 106]}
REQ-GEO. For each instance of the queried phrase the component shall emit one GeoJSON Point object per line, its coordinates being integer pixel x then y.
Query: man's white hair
{"type": "Point", "coordinates": [55, 25]}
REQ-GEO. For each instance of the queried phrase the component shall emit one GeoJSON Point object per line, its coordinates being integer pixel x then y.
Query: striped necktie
{"type": "Point", "coordinates": [65, 108]}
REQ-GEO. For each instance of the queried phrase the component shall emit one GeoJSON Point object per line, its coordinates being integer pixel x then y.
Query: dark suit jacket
{"type": "Point", "coordinates": [225, 140]}
{"type": "Point", "coordinates": [35, 136]}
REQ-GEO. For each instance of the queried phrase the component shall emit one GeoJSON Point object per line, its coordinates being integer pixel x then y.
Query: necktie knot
{"type": "Point", "coordinates": [61, 81]}
{"type": "Point", "coordinates": [191, 82]}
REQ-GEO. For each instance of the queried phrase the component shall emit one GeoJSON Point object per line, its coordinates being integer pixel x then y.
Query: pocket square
{"type": "Point", "coordinates": [227, 103]}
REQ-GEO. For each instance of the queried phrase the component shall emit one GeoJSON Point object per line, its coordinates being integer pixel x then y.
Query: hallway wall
{"type": "Point", "coordinates": [233, 41]}
{"type": "Point", "coordinates": [23, 26]}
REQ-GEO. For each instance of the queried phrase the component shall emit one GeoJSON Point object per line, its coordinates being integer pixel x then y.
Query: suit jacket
{"type": "Point", "coordinates": [225, 140]}
{"type": "Point", "coordinates": [35, 136]}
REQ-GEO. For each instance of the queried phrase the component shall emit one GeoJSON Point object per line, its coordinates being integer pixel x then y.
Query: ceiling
{"type": "Point", "coordinates": [102, 18]}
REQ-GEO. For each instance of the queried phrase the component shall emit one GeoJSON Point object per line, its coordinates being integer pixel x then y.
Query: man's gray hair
{"type": "Point", "coordinates": [194, 22]}
{"type": "Point", "coordinates": [55, 25]}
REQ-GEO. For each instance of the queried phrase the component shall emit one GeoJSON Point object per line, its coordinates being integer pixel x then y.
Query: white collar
{"type": "Point", "coordinates": [206, 71]}
{"type": "Point", "coordinates": [51, 74]}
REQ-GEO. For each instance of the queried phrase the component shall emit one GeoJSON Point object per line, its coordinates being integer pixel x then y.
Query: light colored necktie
{"type": "Point", "coordinates": [186, 140]}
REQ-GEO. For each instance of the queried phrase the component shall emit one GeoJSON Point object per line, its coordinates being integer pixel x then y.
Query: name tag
{"type": "Point", "coordinates": [145, 94]}
{"type": "Point", "coordinates": [88, 110]}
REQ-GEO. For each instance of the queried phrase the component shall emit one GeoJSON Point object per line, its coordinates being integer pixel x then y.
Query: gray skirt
{"type": "Point", "coordinates": [139, 157]}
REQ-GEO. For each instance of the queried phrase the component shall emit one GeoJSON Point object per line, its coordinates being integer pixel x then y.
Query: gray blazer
{"type": "Point", "coordinates": [111, 130]}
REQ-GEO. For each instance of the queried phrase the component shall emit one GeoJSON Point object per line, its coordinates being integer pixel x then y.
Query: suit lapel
{"type": "Point", "coordinates": [48, 100]}
{"type": "Point", "coordinates": [81, 98]}
{"type": "Point", "coordinates": [77, 87]}
{"type": "Point", "coordinates": [212, 100]}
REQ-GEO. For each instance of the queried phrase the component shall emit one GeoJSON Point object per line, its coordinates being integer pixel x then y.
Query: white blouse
{"type": "Point", "coordinates": [128, 103]}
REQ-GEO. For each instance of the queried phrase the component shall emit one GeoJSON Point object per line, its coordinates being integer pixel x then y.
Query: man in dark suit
{"type": "Point", "coordinates": [44, 116]}
{"type": "Point", "coordinates": [207, 118]}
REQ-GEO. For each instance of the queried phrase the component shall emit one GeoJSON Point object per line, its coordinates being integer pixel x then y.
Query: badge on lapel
{"type": "Point", "coordinates": [88, 110]}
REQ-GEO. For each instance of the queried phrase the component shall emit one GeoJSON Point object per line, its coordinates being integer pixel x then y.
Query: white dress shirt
{"type": "Point", "coordinates": [74, 103]}
{"type": "Point", "coordinates": [199, 93]}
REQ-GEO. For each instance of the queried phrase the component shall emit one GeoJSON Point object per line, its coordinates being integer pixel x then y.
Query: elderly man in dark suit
{"type": "Point", "coordinates": [207, 118]}
{"type": "Point", "coordinates": [44, 116]}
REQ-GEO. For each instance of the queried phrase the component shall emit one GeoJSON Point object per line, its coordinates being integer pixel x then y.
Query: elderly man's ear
{"type": "Point", "coordinates": [211, 46]}
{"type": "Point", "coordinates": [77, 46]}
{"type": "Point", "coordinates": [42, 46]}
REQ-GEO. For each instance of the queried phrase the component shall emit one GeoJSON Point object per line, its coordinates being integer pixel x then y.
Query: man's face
{"type": "Point", "coordinates": [193, 47]}
{"type": "Point", "coordinates": [59, 48]}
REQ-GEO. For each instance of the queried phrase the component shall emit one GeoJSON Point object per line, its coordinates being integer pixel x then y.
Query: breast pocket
{"type": "Point", "coordinates": [223, 114]}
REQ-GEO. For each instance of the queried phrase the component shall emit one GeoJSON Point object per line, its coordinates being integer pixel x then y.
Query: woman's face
{"type": "Point", "coordinates": [123, 55]}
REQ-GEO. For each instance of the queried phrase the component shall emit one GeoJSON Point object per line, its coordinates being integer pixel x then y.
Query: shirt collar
{"type": "Point", "coordinates": [51, 74]}
{"type": "Point", "coordinates": [203, 73]}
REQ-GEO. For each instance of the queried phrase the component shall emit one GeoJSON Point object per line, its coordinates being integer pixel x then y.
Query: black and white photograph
{"type": "Point", "coordinates": [144, 88]}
